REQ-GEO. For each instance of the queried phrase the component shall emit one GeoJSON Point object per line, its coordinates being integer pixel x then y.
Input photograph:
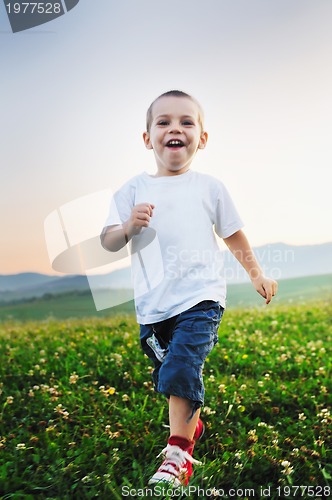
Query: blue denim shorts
{"type": "Point", "coordinates": [179, 349]}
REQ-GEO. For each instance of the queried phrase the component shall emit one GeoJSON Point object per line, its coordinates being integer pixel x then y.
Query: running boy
{"type": "Point", "coordinates": [180, 316]}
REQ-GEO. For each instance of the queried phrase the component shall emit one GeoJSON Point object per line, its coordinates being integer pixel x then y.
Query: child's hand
{"type": "Point", "coordinates": [266, 287]}
{"type": "Point", "coordinates": [140, 217]}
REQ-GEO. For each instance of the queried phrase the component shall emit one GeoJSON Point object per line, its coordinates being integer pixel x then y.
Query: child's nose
{"type": "Point", "coordinates": [175, 128]}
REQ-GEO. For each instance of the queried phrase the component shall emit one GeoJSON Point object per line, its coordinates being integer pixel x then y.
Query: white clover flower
{"type": "Point", "coordinates": [324, 413]}
{"type": "Point", "coordinates": [62, 411]}
{"type": "Point", "coordinates": [287, 468]}
{"type": "Point", "coordinates": [73, 378]}
{"type": "Point", "coordinates": [86, 479]}
{"type": "Point", "coordinates": [208, 411]}
{"type": "Point", "coordinates": [283, 357]}
{"type": "Point", "coordinates": [115, 455]}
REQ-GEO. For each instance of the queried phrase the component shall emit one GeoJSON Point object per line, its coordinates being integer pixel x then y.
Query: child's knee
{"type": "Point", "coordinates": [181, 378]}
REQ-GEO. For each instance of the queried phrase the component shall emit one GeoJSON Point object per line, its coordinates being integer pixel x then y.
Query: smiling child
{"type": "Point", "coordinates": [179, 316]}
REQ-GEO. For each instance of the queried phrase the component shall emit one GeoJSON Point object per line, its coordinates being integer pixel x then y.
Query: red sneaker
{"type": "Point", "coordinates": [199, 431]}
{"type": "Point", "coordinates": [176, 468]}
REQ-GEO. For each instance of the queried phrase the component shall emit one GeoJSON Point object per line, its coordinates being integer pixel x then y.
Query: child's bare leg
{"type": "Point", "coordinates": [180, 411]}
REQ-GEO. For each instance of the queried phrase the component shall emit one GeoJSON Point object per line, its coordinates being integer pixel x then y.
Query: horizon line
{"type": "Point", "coordinates": [53, 273]}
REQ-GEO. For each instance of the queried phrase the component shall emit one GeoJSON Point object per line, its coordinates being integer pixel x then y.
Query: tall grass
{"type": "Point", "coordinates": [79, 417]}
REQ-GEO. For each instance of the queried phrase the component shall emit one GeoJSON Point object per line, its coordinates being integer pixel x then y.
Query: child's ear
{"type": "Point", "coordinates": [147, 141]}
{"type": "Point", "coordinates": [203, 140]}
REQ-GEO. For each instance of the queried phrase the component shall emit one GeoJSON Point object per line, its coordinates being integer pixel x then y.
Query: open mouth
{"type": "Point", "coordinates": [175, 143]}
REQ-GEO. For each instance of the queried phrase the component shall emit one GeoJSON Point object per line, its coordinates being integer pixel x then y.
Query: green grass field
{"type": "Point", "coordinates": [79, 417]}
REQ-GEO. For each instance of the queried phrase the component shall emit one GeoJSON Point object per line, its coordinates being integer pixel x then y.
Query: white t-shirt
{"type": "Point", "coordinates": [176, 261]}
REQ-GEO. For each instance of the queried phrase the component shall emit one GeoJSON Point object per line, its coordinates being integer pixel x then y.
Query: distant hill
{"type": "Point", "coordinates": [278, 260]}
{"type": "Point", "coordinates": [27, 285]}
{"type": "Point", "coordinates": [281, 261]}
{"type": "Point", "coordinates": [242, 295]}
{"type": "Point", "coordinates": [9, 282]}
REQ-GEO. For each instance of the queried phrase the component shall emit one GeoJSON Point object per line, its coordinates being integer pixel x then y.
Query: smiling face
{"type": "Point", "coordinates": [175, 134]}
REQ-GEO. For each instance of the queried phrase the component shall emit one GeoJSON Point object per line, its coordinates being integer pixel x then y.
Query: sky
{"type": "Point", "coordinates": [74, 94]}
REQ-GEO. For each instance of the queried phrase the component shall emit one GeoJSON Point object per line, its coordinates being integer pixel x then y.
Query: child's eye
{"type": "Point", "coordinates": [187, 122]}
{"type": "Point", "coordinates": [163, 122]}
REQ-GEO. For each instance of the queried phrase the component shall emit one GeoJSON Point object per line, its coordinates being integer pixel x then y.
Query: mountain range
{"type": "Point", "coordinates": [278, 260]}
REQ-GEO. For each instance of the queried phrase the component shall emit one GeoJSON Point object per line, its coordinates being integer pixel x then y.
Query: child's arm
{"type": "Point", "coordinates": [240, 248]}
{"type": "Point", "coordinates": [115, 237]}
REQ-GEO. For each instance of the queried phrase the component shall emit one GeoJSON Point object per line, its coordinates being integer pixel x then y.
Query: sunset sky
{"type": "Point", "coordinates": [74, 94]}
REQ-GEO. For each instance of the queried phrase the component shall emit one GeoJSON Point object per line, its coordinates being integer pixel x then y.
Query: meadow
{"type": "Point", "coordinates": [79, 417]}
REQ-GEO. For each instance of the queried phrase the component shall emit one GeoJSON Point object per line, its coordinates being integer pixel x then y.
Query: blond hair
{"type": "Point", "coordinates": [175, 93]}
